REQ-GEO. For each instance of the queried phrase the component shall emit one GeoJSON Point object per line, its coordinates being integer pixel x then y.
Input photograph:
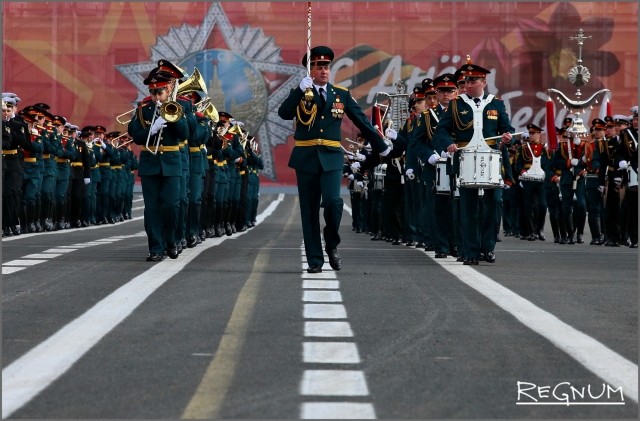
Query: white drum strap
{"type": "Point", "coordinates": [478, 138]}
{"type": "Point", "coordinates": [535, 160]}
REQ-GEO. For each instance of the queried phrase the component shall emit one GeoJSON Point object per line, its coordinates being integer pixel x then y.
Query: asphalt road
{"type": "Point", "coordinates": [235, 328]}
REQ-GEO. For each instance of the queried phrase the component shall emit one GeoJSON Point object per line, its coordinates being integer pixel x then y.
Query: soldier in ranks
{"type": "Point", "coordinates": [63, 160]}
{"type": "Point", "coordinates": [222, 175]}
{"type": "Point", "coordinates": [413, 186]}
{"type": "Point", "coordinates": [131, 180]}
{"type": "Point", "coordinates": [238, 170]}
{"type": "Point", "coordinates": [49, 170]}
{"type": "Point", "coordinates": [49, 199]}
{"type": "Point", "coordinates": [423, 153]}
{"type": "Point", "coordinates": [255, 164]}
{"type": "Point", "coordinates": [317, 157]}
{"type": "Point", "coordinates": [160, 172]}
{"type": "Point", "coordinates": [212, 150]}
{"type": "Point", "coordinates": [355, 186]}
{"type": "Point", "coordinates": [479, 235]}
{"type": "Point", "coordinates": [103, 189]}
{"type": "Point", "coordinates": [80, 177]}
{"type": "Point", "coordinates": [123, 175]}
{"type": "Point", "coordinates": [591, 158]}
{"type": "Point", "coordinates": [43, 121]}
{"type": "Point", "coordinates": [535, 205]}
{"type": "Point", "coordinates": [510, 208]}
{"type": "Point", "coordinates": [89, 189]}
{"type": "Point", "coordinates": [552, 193]}
{"type": "Point", "coordinates": [243, 171]}
{"type": "Point", "coordinates": [567, 165]}
{"type": "Point", "coordinates": [622, 124]}
{"type": "Point", "coordinates": [626, 157]}
{"type": "Point", "coordinates": [460, 84]}
{"type": "Point", "coordinates": [99, 147]}
{"type": "Point", "coordinates": [15, 137]}
{"type": "Point", "coordinates": [197, 161]}
{"type": "Point", "coordinates": [30, 170]}
{"type": "Point", "coordinates": [611, 179]}
{"type": "Point", "coordinates": [181, 229]}
{"type": "Point", "coordinates": [394, 180]}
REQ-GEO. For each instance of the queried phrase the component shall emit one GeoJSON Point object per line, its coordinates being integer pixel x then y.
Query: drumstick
{"type": "Point", "coordinates": [499, 136]}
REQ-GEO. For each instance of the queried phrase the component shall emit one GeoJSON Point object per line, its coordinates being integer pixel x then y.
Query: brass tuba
{"type": "Point", "coordinates": [171, 110]}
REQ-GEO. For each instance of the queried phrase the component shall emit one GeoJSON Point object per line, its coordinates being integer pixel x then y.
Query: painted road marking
{"type": "Point", "coordinates": [310, 283]}
{"type": "Point", "coordinates": [334, 383]}
{"type": "Point", "coordinates": [328, 329]}
{"type": "Point", "coordinates": [322, 296]}
{"type": "Point", "coordinates": [330, 353]}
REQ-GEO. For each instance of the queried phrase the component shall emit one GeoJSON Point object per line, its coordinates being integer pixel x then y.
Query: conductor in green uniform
{"type": "Point", "coordinates": [160, 171]}
{"type": "Point", "coordinates": [318, 108]}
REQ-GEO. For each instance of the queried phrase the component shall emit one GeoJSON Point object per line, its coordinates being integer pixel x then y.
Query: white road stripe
{"type": "Point", "coordinates": [324, 311]}
{"type": "Point", "coordinates": [596, 357]}
{"type": "Point", "coordinates": [309, 283]}
{"type": "Point", "coordinates": [322, 296]}
{"type": "Point", "coordinates": [333, 383]}
{"type": "Point", "coordinates": [23, 262]}
{"type": "Point", "coordinates": [337, 410]}
{"type": "Point", "coordinates": [7, 270]}
{"type": "Point", "coordinates": [330, 353]}
{"type": "Point", "coordinates": [59, 250]}
{"type": "Point", "coordinates": [325, 274]}
{"type": "Point", "coordinates": [41, 256]}
{"type": "Point", "coordinates": [328, 329]}
{"type": "Point", "coordinates": [27, 376]}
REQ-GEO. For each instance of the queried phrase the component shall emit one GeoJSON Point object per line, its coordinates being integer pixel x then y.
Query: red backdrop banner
{"type": "Point", "coordinates": [87, 60]}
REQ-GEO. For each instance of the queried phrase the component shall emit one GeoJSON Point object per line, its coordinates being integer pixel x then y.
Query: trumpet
{"type": "Point", "coordinates": [207, 108]}
{"type": "Point", "coordinates": [43, 128]}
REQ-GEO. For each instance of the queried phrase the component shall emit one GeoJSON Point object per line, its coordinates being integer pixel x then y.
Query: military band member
{"type": "Point", "coordinates": [455, 130]}
{"type": "Point", "coordinates": [535, 205]}
{"type": "Point", "coordinates": [160, 172]}
{"type": "Point", "coordinates": [591, 158]}
{"type": "Point", "coordinates": [17, 132]}
{"type": "Point", "coordinates": [627, 159]}
{"type": "Point", "coordinates": [611, 179]}
{"type": "Point", "coordinates": [317, 156]}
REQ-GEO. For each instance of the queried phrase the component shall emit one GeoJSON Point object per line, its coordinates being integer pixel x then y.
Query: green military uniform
{"type": "Point", "coordinates": [160, 175]}
{"type": "Point", "coordinates": [317, 157]}
{"type": "Point", "coordinates": [457, 126]}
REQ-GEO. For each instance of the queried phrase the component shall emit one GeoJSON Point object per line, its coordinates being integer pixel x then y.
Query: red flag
{"type": "Point", "coordinates": [552, 138]}
{"type": "Point", "coordinates": [609, 108]}
{"type": "Point", "coordinates": [376, 119]}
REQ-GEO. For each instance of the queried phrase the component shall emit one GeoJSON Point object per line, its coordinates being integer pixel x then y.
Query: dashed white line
{"type": "Point", "coordinates": [334, 383]}
{"type": "Point", "coordinates": [328, 329]}
{"type": "Point", "coordinates": [322, 296]}
{"type": "Point", "coordinates": [330, 353]}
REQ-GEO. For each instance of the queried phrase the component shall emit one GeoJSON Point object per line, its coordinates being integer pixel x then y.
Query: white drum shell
{"type": "Point", "coordinates": [480, 168]}
{"type": "Point", "coordinates": [443, 183]}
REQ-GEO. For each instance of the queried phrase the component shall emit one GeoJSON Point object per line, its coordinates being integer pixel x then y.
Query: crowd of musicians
{"type": "Point", "coordinates": [198, 168]}
{"type": "Point", "coordinates": [590, 179]}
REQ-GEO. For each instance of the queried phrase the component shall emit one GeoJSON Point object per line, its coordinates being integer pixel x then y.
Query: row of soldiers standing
{"type": "Point", "coordinates": [396, 199]}
{"type": "Point", "coordinates": [57, 177]}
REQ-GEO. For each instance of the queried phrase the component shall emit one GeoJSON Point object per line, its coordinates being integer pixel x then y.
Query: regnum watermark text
{"type": "Point", "coordinates": [565, 393]}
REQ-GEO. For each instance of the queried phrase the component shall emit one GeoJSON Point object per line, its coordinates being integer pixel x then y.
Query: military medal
{"type": "Point", "coordinates": [337, 109]}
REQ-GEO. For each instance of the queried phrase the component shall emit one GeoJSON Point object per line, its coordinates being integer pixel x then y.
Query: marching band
{"type": "Point", "coordinates": [199, 168]}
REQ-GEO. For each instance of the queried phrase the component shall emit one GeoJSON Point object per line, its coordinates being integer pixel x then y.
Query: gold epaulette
{"type": "Point", "coordinates": [340, 87]}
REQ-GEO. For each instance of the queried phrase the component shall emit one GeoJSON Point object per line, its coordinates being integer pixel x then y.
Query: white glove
{"type": "Point", "coordinates": [618, 181]}
{"type": "Point", "coordinates": [391, 133]}
{"type": "Point", "coordinates": [235, 161]}
{"type": "Point", "coordinates": [205, 149]}
{"type": "Point", "coordinates": [359, 184]}
{"type": "Point", "coordinates": [576, 140]}
{"type": "Point", "coordinates": [584, 159]}
{"type": "Point", "coordinates": [433, 159]}
{"type": "Point", "coordinates": [574, 162]}
{"type": "Point", "coordinates": [355, 166]}
{"type": "Point", "coordinates": [306, 83]}
{"type": "Point", "coordinates": [359, 157]}
{"type": "Point", "coordinates": [386, 151]}
{"type": "Point", "coordinates": [445, 154]}
{"type": "Point", "coordinates": [623, 165]}
{"type": "Point", "coordinates": [104, 145]}
{"type": "Point", "coordinates": [87, 181]}
{"type": "Point", "coordinates": [505, 186]}
{"type": "Point", "coordinates": [600, 189]}
{"type": "Point", "coordinates": [409, 173]}
{"type": "Point", "coordinates": [520, 184]}
{"type": "Point", "coordinates": [383, 167]}
{"type": "Point", "coordinates": [35, 132]}
{"type": "Point", "coordinates": [351, 177]}
{"type": "Point", "coordinates": [157, 125]}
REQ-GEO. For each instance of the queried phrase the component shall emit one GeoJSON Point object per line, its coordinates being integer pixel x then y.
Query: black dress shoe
{"type": "Point", "coordinates": [334, 260]}
{"type": "Point", "coordinates": [396, 242]}
{"type": "Point", "coordinates": [410, 243]}
{"type": "Point", "coordinates": [460, 259]}
{"type": "Point", "coordinates": [172, 251]}
{"type": "Point", "coordinates": [453, 251]}
{"type": "Point", "coordinates": [471, 261]}
{"type": "Point", "coordinates": [489, 257]}
{"type": "Point", "coordinates": [154, 257]}
{"type": "Point", "coordinates": [531, 237]}
{"type": "Point", "coordinates": [633, 246]}
{"type": "Point", "coordinates": [314, 269]}
{"type": "Point", "coordinates": [579, 239]}
{"type": "Point", "coordinates": [441, 255]}
{"type": "Point", "coordinates": [541, 236]}
{"type": "Point", "coordinates": [192, 242]}
{"type": "Point", "coordinates": [429, 247]}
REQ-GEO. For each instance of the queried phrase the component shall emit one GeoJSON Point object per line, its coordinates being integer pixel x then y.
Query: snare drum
{"type": "Point", "coordinates": [443, 184]}
{"type": "Point", "coordinates": [480, 168]}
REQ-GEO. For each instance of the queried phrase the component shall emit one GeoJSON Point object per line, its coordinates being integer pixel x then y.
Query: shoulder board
{"type": "Point", "coordinates": [340, 87]}
{"type": "Point", "coordinates": [144, 102]}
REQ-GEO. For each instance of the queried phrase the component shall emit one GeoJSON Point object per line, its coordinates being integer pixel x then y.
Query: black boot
{"type": "Point", "coordinates": [554, 227]}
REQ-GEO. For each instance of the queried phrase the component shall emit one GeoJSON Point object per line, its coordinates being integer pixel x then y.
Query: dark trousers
{"type": "Point", "coordinates": [161, 200]}
{"type": "Point", "coordinates": [315, 191]}
{"type": "Point", "coordinates": [479, 233]}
